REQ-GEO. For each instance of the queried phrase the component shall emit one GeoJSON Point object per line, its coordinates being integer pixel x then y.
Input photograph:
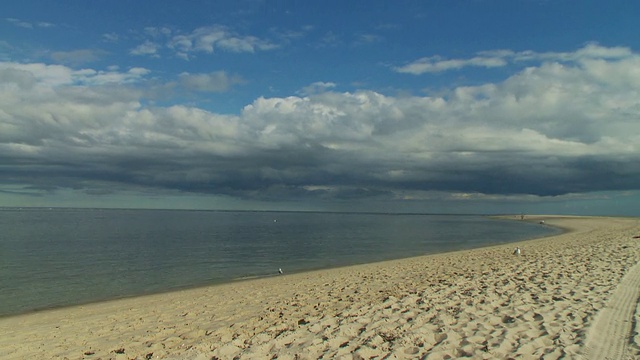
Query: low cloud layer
{"type": "Point", "coordinates": [568, 123]}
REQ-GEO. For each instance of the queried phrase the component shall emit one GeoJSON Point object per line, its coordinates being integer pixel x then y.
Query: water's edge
{"type": "Point", "coordinates": [293, 270]}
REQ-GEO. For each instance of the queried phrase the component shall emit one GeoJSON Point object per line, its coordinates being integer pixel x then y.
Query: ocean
{"type": "Point", "coordinates": [59, 257]}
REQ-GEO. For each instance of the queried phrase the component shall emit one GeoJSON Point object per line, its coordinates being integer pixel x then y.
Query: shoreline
{"type": "Point", "coordinates": [482, 302]}
{"type": "Point", "coordinates": [253, 276]}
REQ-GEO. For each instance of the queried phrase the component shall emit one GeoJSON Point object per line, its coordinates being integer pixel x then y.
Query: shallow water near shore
{"type": "Point", "coordinates": [59, 257]}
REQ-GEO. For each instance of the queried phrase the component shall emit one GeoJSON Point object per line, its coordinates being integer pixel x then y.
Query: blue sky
{"type": "Point", "coordinates": [417, 106]}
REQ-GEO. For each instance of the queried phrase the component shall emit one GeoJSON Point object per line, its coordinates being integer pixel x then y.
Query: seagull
{"type": "Point", "coordinates": [280, 271]}
{"type": "Point", "coordinates": [516, 251]}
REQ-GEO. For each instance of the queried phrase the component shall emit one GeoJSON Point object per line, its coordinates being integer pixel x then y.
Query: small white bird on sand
{"type": "Point", "coordinates": [280, 271]}
{"type": "Point", "coordinates": [517, 251]}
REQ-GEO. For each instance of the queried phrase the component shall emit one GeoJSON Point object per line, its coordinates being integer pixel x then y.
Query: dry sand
{"type": "Point", "coordinates": [573, 296]}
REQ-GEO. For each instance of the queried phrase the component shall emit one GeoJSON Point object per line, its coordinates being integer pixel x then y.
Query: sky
{"type": "Point", "coordinates": [429, 106]}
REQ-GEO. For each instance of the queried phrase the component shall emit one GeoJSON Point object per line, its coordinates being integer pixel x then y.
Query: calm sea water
{"type": "Point", "coordinates": [60, 257]}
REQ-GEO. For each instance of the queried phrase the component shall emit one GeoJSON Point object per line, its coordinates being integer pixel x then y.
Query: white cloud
{"type": "Point", "coordinates": [589, 51]}
{"type": "Point", "coordinates": [20, 23]}
{"type": "Point", "coordinates": [364, 39]}
{"type": "Point", "coordinates": [22, 78]}
{"type": "Point", "coordinates": [111, 37]}
{"type": "Point", "coordinates": [157, 32]}
{"type": "Point", "coordinates": [208, 39]}
{"type": "Point", "coordinates": [146, 48]}
{"type": "Point", "coordinates": [317, 87]}
{"type": "Point", "coordinates": [133, 75]}
{"type": "Point", "coordinates": [28, 25]}
{"type": "Point", "coordinates": [498, 58]}
{"type": "Point", "coordinates": [50, 76]}
{"type": "Point", "coordinates": [436, 64]}
{"type": "Point", "coordinates": [551, 128]}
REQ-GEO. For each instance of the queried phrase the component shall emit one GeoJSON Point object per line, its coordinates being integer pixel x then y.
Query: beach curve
{"type": "Point", "coordinates": [483, 303]}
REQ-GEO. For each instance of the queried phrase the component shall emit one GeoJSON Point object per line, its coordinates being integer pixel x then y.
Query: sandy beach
{"type": "Point", "coordinates": [574, 295]}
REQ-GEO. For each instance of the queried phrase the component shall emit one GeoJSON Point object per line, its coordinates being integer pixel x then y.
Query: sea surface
{"type": "Point", "coordinates": [58, 257]}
